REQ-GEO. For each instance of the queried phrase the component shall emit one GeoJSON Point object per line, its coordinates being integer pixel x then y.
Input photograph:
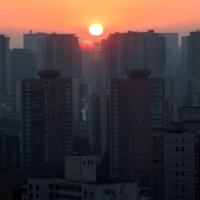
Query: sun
{"type": "Point", "coordinates": [96, 29]}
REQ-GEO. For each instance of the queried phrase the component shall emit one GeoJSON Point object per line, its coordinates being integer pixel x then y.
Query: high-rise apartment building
{"type": "Point", "coordinates": [130, 126]}
{"type": "Point", "coordinates": [137, 105]}
{"type": "Point", "coordinates": [183, 69]}
{"type": "Point", "coordinates": [171, 111]}
{"type": "Point", "coordinates": [91, 65]}
{"type": "Point", "coordinates": [99, 123]}
{"type": "Point", "coordinates": [172, 53]}
{"type": "Point", "coordinates": [4, 64]}
{"type": "Point", "coordinates": [60, 52]}
{"type": "Point", "coordinates": [193, 52]}
{"type": "Point", "coordinates": [175, 162]}
{"type": "Point", "coordinates": [81, 92]}
{"type": "Point", "coordinates": [23, 66]}
{"type": "Point", "coordinates": [132, 50]}
{"type": "Point", "coordinates": [31, 41]}
{"type": "Point", "coordinates": [46, 124]}
{"type": "Point", "coordinates": [10, 150]}
{"type": "Point", "coordinates": [158, 101]}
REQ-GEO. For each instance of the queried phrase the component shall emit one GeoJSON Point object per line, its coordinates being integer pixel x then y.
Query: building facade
{"type": "Point", "coordinates": [175, 162]}
{"type": "Point", "coordinates": [5, 72]}
{"type": "Point", "coordinates": [80, 183]}
{"type": "Point", "coordinates": [60, 52]}
{"type": "Point", "coordinates": [132, 50]}
{"type": "Point", "coordinates": [23, 66]}
{"type": "Point", "coordinates": [46, 124]}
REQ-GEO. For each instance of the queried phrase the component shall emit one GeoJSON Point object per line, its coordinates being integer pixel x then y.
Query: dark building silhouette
{"type": "Point", "coordinates": [60, 52]}
{"type": "Point", "coordinates": [46, 124]}
{"type": "Point", "coordinates": [193, 52]}
{"type": "Point", "coordinates": [10, 181]}
{"type": "Point", "coordinates": [130, 127]}
{"type": "Point", "coordinates": [10, 152]}
{"type": "Point", "coordinates": [137, 105]}
{"type": "Point", "coordinates": [23, 66]}
{"type": "Point", "coordinates": [132, 50]}
{"type": "Point", "coordinates": [175, 162]}
{"type": "Point", "coordinates": [4, 64]}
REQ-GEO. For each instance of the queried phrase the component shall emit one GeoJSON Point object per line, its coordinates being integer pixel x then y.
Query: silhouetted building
{"type": "Point", "coordinates": [46, 124]}
{"type": "Point", "coordinates": [31, 41]}
{"type": "Point", "coordinates": [132, 50]}
{"type": "Point", "coordinates": [183, 69]}
{"type": "Point", "coordinates": [175, 162]}
{"type": "Point", "coordinates": [91, 65]}
{"type": "Point", "coordinates": [4, 64]}
{"type": "Point", "coordinates": [23, 66]}
{"type": "Point", "coordinates": [81, 91]}
{"type": "Point", "coordinates": [189, 114]}
{"type": "Point", "coordinates": [60, 52]}
{"type": "Point", "coordinates": [172, 53]}
{"type": "Point", "coordinates": [80, 182]}
{"type": "Point", "coordinates": [99, 124]}
{"type": "Point", "coordinates": [10, 149]}
{"type": "Point", "coordinates": [137, 105]}
{"type": "Point", "coordinates": [193, 52]}
{"type": "Point", "coordinates": [171, 111]}
{"type": "Point", "coordinates": [10, 181]}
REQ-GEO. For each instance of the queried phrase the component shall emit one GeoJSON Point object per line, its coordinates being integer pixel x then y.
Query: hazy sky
{"type": "Point", "coordinates": [75, 16]}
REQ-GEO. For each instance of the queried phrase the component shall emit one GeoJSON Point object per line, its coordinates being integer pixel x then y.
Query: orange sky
{"type": "Point", "coordinates": [75, 16]}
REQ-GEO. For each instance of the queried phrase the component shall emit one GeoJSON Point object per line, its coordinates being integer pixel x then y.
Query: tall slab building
{"type": "Point", "coordinates": [132, 50]}
{"type": "Point", "coordinates": [46, 124]}
{"type": "Point", "coordinates": [193, 52]}
{"type": "Point", "coordinates": [60, 52]}
{"type": "Point", "coordinates": [130, 126]}
{"type": "Point", "coordinates": [4, 64]}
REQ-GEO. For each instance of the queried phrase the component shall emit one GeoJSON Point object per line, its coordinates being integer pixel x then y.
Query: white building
{"type": "Point", "coordinates": [79, 183]}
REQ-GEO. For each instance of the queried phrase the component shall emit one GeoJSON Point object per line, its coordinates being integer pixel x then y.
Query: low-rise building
{"type": "Point", "coordinates": [79, 183]}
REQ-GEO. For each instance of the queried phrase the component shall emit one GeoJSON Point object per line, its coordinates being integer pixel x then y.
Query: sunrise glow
{"type": "Point", "coordinates": [96, 29]}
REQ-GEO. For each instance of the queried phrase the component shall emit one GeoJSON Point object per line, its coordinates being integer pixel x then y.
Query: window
{"type": "Point", "coordinates": [92, 193]}
{"type": "Point", "coordinates": [84, 162]}
{"type": "Point", "coordinates": [50, 186]}
{"type": "Point", "coordinates": [50, 195]}
{"type": "Point", "coordinates": [88, 162]}
{"type": "Point", "coordinates": [183, 173]}
{"type": "Point", "coordinates": [177, 164]}
{"type": "Point", "coordinates": [37, 187]}
{"type": "Point", "coordinates": [176, 148]}
{"type": "Point", "coordinates": [85, 192]}
{"type": "Point", "coordinates": [92, 162]}
{"type": "Point", "coordinates": [182, 148]}
{"type": "Point", "coordinates": [37, 196]}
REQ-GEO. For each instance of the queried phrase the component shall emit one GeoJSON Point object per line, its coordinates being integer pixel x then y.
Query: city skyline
{"type": "Point", "coordinates": [113, 16]}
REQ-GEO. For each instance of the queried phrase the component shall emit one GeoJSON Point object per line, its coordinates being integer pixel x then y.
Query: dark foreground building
{"type": "Point", "coordinates": [46, 124]}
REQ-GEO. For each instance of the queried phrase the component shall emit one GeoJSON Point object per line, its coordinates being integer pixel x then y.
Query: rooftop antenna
{"type": "Point", "coordinates": [31, 31]}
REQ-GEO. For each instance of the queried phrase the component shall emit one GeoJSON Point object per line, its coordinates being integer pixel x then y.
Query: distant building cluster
{"type": "Point", "coordinates": [119, 120]}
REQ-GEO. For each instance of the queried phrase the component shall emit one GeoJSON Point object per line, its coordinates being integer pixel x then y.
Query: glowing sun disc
{"type": "Point", "coordinates": [96, 29]}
